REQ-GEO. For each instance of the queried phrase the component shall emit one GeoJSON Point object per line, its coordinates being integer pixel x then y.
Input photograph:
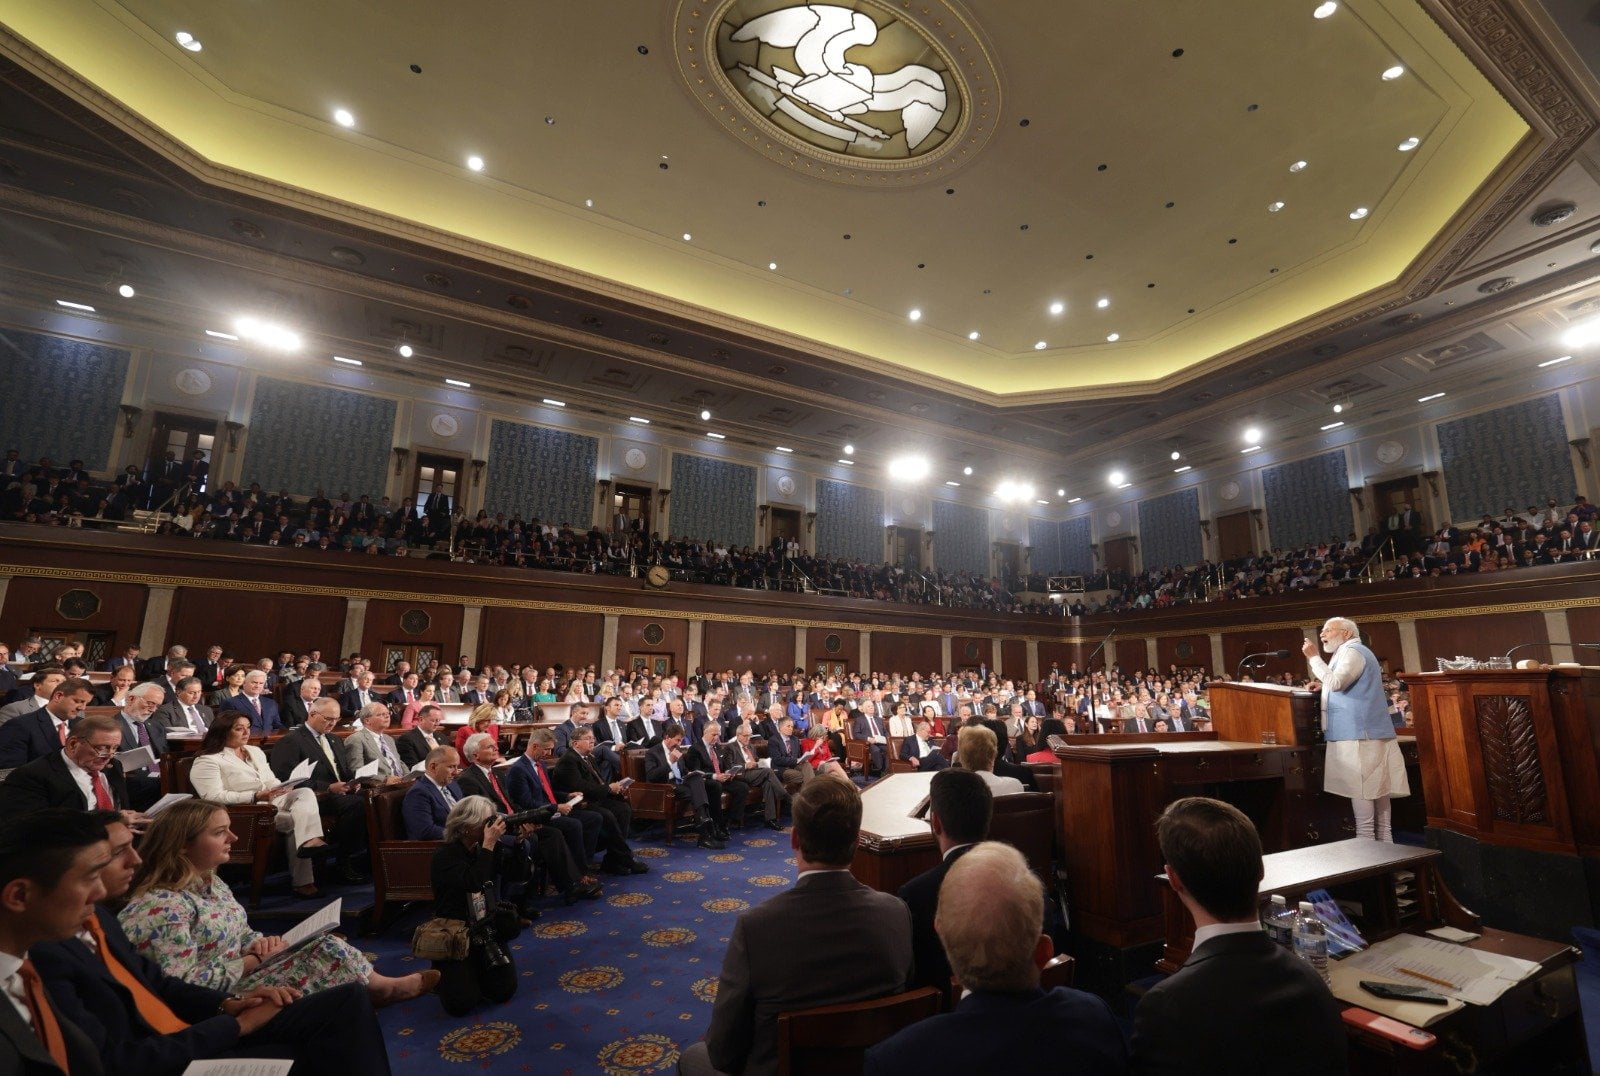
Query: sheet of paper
{"type": "Point", "coordinates": [369, 770]}
{"type": "Point", "coordinates": [1345, 982]}
{"type": "Point", "coordinates": [1474, 976]}
{"type": "Point", "coordinates": [303, 771]}
{"type": "Point", "coordinates": [239, 1066]}
{"type": "Point", "coordinates": [312, 926]}
{"type": "Point", "coordinates": [419, 767]}
{"type": "Point", "coordinates": [166, 801]}
{"type": "Point", "coordinates": [137, 759]}
{"type": "Point", "coordinates": [1451, 934]}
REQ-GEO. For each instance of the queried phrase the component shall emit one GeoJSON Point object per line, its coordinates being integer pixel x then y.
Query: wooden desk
{"type": "Point", "coordinates": [894, 847]}
{"type": "Point", "coordinates": [1251, 712]}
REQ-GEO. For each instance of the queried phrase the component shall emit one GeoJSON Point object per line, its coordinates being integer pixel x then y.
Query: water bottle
{"type": "Point", "coordinates": [1278, 921]}
{"type": "Point", "coordinates": [1311, 939]}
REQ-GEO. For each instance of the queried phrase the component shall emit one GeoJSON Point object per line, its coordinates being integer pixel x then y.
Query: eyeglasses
{"type": "Point", "coordinates": [100, 752]}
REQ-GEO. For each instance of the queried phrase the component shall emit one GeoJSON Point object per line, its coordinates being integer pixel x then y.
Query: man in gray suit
{"type": "Point", "coordinates": [854, 943]}
{"type": "Point", "coordinates": [186, 714]}
{"type": "Point", "coordinates": [369, 741]}
{"type": "Point", "coordinates": [43, 684]}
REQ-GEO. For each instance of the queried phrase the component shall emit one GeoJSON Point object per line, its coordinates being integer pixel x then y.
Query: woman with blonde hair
{"type": "Point", "coordinates": [483, 719]}
{"type": "Point", "coordinates": [186, 919]}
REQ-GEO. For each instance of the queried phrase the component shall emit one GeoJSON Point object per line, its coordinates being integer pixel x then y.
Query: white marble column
{"type": "Point", "coordinates": [471, 630]}
{"type": "Point", "coordinates": [1559, 632]}
{"type": "Point", "coordinates": [1410, 649]}
{"type": "Point", "coordinates": [1033, 661]}
{"type": "Point", "coordinates": [608, 641]}
{"type": "Point", "coordinates": [1218, 661]}
{"type": "Point", "coordinates": [157, 616]}
{"type": "Point", "coordinates": [994, 657]}
{"type": "Point", "coordinates": [697, 644]}
{"type": "Point", "coordinates": [800, 659]}
{"type": "Point", "coordinates": [1150, 654]}
{"type": "Point", "coordinates": [355, 621]}
{"type": "Point", "coordinates": [866, 653]}
{"type": "Point", "coordinates": [945, 654]}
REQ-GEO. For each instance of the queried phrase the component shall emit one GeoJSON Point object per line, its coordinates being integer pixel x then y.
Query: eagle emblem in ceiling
{"type": "Point", "coordinates": [855, 92]}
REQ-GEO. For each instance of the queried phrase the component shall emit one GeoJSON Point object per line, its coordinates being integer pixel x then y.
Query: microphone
{"type": "Point", "coordinates": [1250, 660]}
{"type": "Point", "coordinates": [1523, 646]}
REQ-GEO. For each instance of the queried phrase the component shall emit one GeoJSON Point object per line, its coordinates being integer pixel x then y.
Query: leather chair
{"type": "Point", "coordinates": [832, 1040]}
{"type": "Point", "coordinates": [1026, 821]}
{"type": "Point", "coordinates": [402, 870]}
{"type": "Point", "coordinates": [653, 800]}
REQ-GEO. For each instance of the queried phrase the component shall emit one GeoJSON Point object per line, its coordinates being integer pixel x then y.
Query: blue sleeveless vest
{"type": "Point", "coordinates": [1361, 711]}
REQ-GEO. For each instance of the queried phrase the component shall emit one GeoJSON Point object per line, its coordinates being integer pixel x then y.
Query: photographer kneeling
{"type": "Point", "coordinates": [465, 888]}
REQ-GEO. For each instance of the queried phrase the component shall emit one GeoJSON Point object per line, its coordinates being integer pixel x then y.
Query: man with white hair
{"type": "Point", "coordinates": [144, 783]}
{"type": "Point", "coordinates": [1363, 760]}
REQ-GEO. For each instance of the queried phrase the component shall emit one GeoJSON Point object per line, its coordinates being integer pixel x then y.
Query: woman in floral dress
{"type": "Point", "coordinates": [187, 920]}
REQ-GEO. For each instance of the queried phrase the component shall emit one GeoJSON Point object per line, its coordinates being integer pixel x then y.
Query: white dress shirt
{"type": "Point", "coordinates": [11, 983]}
{"type": "Point", "coordinates": [84, 781]}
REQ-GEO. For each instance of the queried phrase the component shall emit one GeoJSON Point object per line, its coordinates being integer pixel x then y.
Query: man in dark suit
{"type": "Point", "coordinates": [94, 978]}
{"type": "Point", "coordinates": [330, 779]}
{"type": "Point", "coordinates": [827, 940]}
{"type": "Point", "coordinates": [297, 703]}
{"type": "Point", "coordinates": [144, 783]}
{"type": "Point", "coordinates": [210, 669]}
{"type": "Point", "coordinates": [576, 772]}
{"type": "Point", "coordinates": [256, 704]}
{"type": "Point", "coordinates": [708, 756]}
{"type": "Point", "coordinates": [430, 797]}
{"type": "Point", "coordinates": [585, 829]}
{"type": "Point", "coordinates": [604, 755]}
{"type": "Point", "coordinates": [29, 695]}
{"type": "Point", "coordinates": [415, 743]}
{"type": "Point", "coordinates": [44, 731]}
{"type": "Point", "coordinates": [352, 701]}
{"type": "Point", "coordinates": [83, 774]}
{"type": "Point", "coordinates": [668, 763]}
{"type": "Point", "coordinates": [991, 922]}
{"type": "Point", "coordinates": [156, 667]}
{"type": "Point", "coordinates": [867, 726]}
{"type": "Point", "coordinates": [785, 753]}
{"type": "Point", "coordinates": [960, 806]}
{"type": "Point", "coordinates": [1240, 1003]}
{"type": "Point", "coordinates": [187, 714]}
{"type": "Point", "coordinates": [612, 726]}
{"type": "Point", "coordinates": [921, 751]}
{"type": "Point", "coordinates": [130, 656]}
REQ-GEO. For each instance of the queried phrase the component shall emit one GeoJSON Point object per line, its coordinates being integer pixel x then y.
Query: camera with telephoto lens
{"type": "Point", "coordinates": [483, 936]}
{"type": "Point", "coordinates": [537, 816]}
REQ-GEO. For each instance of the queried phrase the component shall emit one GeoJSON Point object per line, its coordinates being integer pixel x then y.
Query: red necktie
{"type": "Point", "coordinates": [716, 766]}
{"type": "Point", "coordinates": [45, 1025]}
{"type": "Point", "coordinates": [102, 794]}
{"type": "Point", "coordinates": [495, 783]}
{"type": "Point", "coordinates": [545, 782]}
{"type": "Point", "coordinates": [61, 730]}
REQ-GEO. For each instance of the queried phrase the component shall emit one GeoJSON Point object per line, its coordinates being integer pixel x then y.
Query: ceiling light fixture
{"type": "Point", "coordinates": [1332, 426]}
{"type": "Point", "coordinates": [1409, 144]}
{"type": "Point", "coordinates": [70, 305]}
{"type": "Point", "coordinates": [1112, 338]}
{"type": "Point", "coordinates": [475, 163]}
{"type": "Point", "coordinates": [1102, 303]}
{"type": "Point", "coordinates": [267, 334]}
{"type": "Point", "coordinates": [345, 361]}
{"type": "Point", "coordinates": [1177, 455]}
{"type": "Point", "coordinates": [1430, 396]}
{"type": "Point", "coordinates": [1338, 409]}
{"type": "Point", "coordinates": [1041, 502]}
{"type": "Point", "coordinates": [344, 117]}
{"type": "Point", "coordinates": [716, 436]}
{"type": "Point", "coordinates": [640, 421]}
{"type": "Point", "coordinates": [687, 237]}
{"type": "Point", "coordinates": [588, 203]}
{"type": "Point", "coordinates": [458, 384]}
{"type": "Point", "coordinates": [973, 335]}
{"type": "Point", "coordinates": [966, 470]}
{"type": "Point", "coordinates": [1252, 448]}
{"type": "Point", "coordinates": [952, 483]}
{"type": "Point", "coordinates": [1252, 434]}
{"type": "Point", "coordinates": [1185, 467]}
{"type": "Point", "coordinates": [126, 291]}
{"type": "Point", "coordinates": [1392, 73]}
{"type": "Point", "coordinates": [1273, 207]}
{"type": "Point", "coordinates": [1552, 362]}
{"type": "Point", "coordinates": [553, 403]}
{"type": "Point", "coordinates": [1125, 485]}
{"type": "Point", "coordinates": [1298, 166]}
{"type": "Point", "coordinates": [1358, 213]}
{"type": "Point", "coordinates": [1040, 346]}
{"type": "Point", "coordinates": [849, 450]}
{"type": "Point", "coordinates": [1061, 493]}
{"type": "Point", "coordinates": [406, 351]}
{"type": "Point", "coordinates": [1116, 478]}
{"type": "Point", "coordinates": [1582, 335]}
{"type": "Point", "coordinates": [705, 416]}
{"type": "Point", "coordinates": [773, 266]}
{"type": "Point", "coordinates": [847, 463]}
{"type": "Point", "coordinates": [1324, 9]}
{"type": "Point", "coordinates": [187, 40]}
{"type": "Point", "coordinates": [221, 335]}
{"type": "Point", "coordinates": [783, 448]}
{"type": "Point", "coordinates": [909, 468]}
{"type": "Point", "coordinates": [1074, 500]}
{"type": "Point", "coordinates": [1057, 307]}
{"type": "Point", "coordinates": [915, 315]}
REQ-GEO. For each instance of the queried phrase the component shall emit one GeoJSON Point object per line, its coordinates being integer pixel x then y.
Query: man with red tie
{"type": "Point", "coordinates": [44, 731]}
{"type": "Point", "coordinates": [82, 773]}
{"type": "Point", "coordinates": [585, 829]}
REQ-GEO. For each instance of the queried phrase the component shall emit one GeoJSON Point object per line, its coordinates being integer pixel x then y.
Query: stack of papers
{"type": "Point", "coordinates": [1469, 975]}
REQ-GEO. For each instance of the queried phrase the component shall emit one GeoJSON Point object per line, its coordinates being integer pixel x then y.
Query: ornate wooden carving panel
{"type": "Point", "coordinates": [1511, 759]}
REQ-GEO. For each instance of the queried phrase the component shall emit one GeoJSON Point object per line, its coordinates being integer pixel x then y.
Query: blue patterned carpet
{"type": "Point", "coordinates": [617, 985]}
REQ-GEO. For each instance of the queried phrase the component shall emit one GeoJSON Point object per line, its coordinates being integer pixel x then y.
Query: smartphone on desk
{"type": "Point", "coordinates": [1399, 992]}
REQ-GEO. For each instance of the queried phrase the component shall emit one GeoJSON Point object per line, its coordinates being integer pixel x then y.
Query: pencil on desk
{"type": "Point", "coordinates": [1429, 978]}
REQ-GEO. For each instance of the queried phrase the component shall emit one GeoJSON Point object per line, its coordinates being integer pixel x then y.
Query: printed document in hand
{"type": "Point", "coordinates": [308, 929]}
{"type": "Point", "coordinates": [300, 774]}
{"type": "Point", "coordinates": [369, 770]}
{"type": "Point", "coordinates": [1474, 976]}
{"type": "Point", "coordinates": [137, 759]}
{"type": "Point", "coordinates": [240, 1066]}
{"type": "Point", "coordinates": [166, 801]}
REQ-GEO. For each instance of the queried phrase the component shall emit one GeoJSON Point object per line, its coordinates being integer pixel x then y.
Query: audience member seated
{"type": "Point", "coordinates": [83, 774]}
{"type": "Point", "coordinates": [576, 772]}
{"type": "Point", "coordinates": [428, 801]}
{"type": "Point", "coordinates": [667, 762]}
{"type": "Point", "coordinates": [959, 808]}
{"type": "Point", "coordinates": [229, 769]}
{"type": "Point", "coordinates": [415, 743]}
{"type": "Point", "coordinates": [481, 720]}
{"type": "Point", "coordinates": [708, 757]}
{"type": "Point", "coordinates": [827, 940]}
{"type": "Point", "coordinates": [115, 690]}
{"type": "Point", "coordinates": [370, 743]}
{"type": "Point", "coordinates": [154, 1023]}
{"type": "Point", "coordinates": [465, 874]}
{"type": "Point", "coordinates": [990, 920]}
{"type": "Point", "coordinates": [584, 828]}
{"type": "Point", "coordinates": [186, 715]}
{"type": "Point", "coordinates": [297, 703]}
{"type": "Point", "coordinates": [186, 919]}
{"type": "Point", "coordinates": [921, 751]}
{"type": "Point", "coordinates": [975, 751]}
{"type": "Point", "coordinates": [252, 700]}
{"type": "Point", "coordinates": [330, 780]}
{"type": "Point", "coordinates": [1240, 1003]}
{"type": "Point", "coordinates": [232, 684]}
{"type": "Point", "coordinates": [42, 730]}
{"type": "Point", "coordinates": [742, 754]}
{"type": "Point", "coordinates": [785, 754]}
{"type": "Point", "coordinates": [144, 782]}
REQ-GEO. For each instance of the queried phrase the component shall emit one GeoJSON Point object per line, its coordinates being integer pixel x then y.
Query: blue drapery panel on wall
{"type": "Point", "coordinates": [1076, 556]}
{"type": "Point", "coordinates": [309, 437]}
{"type": "Point", "coordinates": [960, 538]}
{"type": "Point", "coordinates": [1169, 530]}
{"type": "Point", "coordinates": [713, 500]}
{"type": "Point", "coordinates": [62, 399]}
{"type": "Point", "coordinates": [540, 473]}
{"type": "Point", "coordinates": [1061, 546]}
{"type": "Point", "coordinates": [1510, 457]}
{"type": "Point", "coordinates": [849, 521]}
{"type": "Point", "coordinates": [1308, 500]}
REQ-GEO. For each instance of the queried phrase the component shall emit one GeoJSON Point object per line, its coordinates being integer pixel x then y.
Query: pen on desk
{"type": "Point", "coordinates": [1429, 978]}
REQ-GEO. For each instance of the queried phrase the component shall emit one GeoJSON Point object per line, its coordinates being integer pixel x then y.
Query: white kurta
{"type": "Point", "coordinates": [1356, 769]}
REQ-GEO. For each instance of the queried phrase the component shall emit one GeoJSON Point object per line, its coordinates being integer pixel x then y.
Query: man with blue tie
{"type": "Point", "coordinates": [665, 764]}
{"type": "Point", "coordinates": [428, 802]}
{"type": "Point", "coordinates": [258, 706]}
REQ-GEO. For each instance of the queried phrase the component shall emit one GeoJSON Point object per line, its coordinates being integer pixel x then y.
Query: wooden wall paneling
{"type": "Point", "coordinates": [1480, 637]}
{"type": "Point", "coordinates": [1383, 639]}
{"type": "Point", "coordinates": [674, 640]}
{"type": "Point", "coordinates": [1184, 651]}
{"type": "Point", "coordinates": [31, 603]}
{"type": "Point", "coordinates": [906, 652]}
{"type": "Point", "coordinates": [1583, 626]}
{"type": "Point", "coordinates": [383, 625]}
{"type": "Point", "coordinates": [251, 625]}
{"type": "Point", "coordinates": [544, 637]}
{"type": "Point", "coordinates": [1014, 658]}
{"type": "Point", "coordinates": [758, 647]}
{"type": "Point", "coordinates": [1236, 645]}
{"type": "Point", "coordinates": [1062, 653]}
{"type": "Point", "coordinates": [847, 647]}
{"type": "Point", "coordinates": [965, 651]}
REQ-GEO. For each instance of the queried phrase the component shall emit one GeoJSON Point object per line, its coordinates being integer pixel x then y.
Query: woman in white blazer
{"type": "Point", "coordinates": [228, 769]}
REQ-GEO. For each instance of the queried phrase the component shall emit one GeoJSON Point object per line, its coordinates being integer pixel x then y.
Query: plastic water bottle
{"type": "Point", "coordinates": [1311, 939]}
{"type": "Point", "coordinates": [1279, 921]}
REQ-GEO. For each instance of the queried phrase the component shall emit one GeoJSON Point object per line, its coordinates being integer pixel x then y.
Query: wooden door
{"type": "Point", "coordinates": [1387, 497]}
{"type": "Point", "coordinates": [1118, 554]}
{"type": "Point", "coordinates": [437, 477]}
{"type": "Point", "coordinates": [653, 664]}
{"type": "Point", "coordinates": [907, 548]}
{"type": "Point", "coordinates": [630, 505]}
{"type": "Point", "coordinates": [784, 525]}
{"type": "Point", "coordinates": [830, 668]}
{"type": "Point", "coordinates": [420, 655]}
{"type": "Point", "coordinates": [182, 436]}
{"type": "Point", "coordinates": [1236, 535]}
{"type": "Point", "coordinates": [1008, 561]}
{"type": "Point", "coordinates": [98, 646]}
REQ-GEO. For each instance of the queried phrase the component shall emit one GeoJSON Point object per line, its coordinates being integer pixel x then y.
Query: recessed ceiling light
{"type": "Point", "coordinates": [640, 421]}
{"type": "Point", "coordinates": [458, 384]}
{"type": "Point", "coordinates": [1112, 338]}
{"type": "Point", "coordinates": [1252, 448]}
{"type": "Point", "coordinates": [588, 203]}
{"type": "Point", "coordinates": [475, 163]}
{"type": "Point", "coordinates": [1332, 426]}
{"type": "Point", "coordinates": [1324, 9]}
{"type": "Point", "coordinates": [705, 416]}
{"type": "Point", "coordinates": [966, 470]}
{"type": "Point", "coordinates": [847, 463]}
{"type": "Point", "coordinates": [783, 448]}
{"type": "Point", "coordinates": [406, 351]}
{"type": "Point", "coordinates": [125, 290]}
{"type": "Point", "coordinates": [1338, 409]}
{"type": "Point", "coordinates": [687, 237]}
{"type": "Point", "coordinates": [1185, 467]}
{"type": "Point", "coordinates": [1102, 303]}
{"type": "Point", "coordinates": [952, 483]}
{"type": "Point", "coordinates": [1116, 478]}
{"type": "Point", "coordinates": [344, 117]}
{"type": "Point", "coordinates": [773, 266]}
{"type": "Point", "coordinates": [1252, 434]}
{"type": "Point", "coordinates": [1273, 207]}
{"type": "Point", "coordinates": [1040, 346]}
{"type": "Point", "coordinates": [1125, 485]}
{"type": "Point", "coordinates": [1358, 213]}
{"type": "Point", "coordinates": [915, 315]}
{"type": "Point", "coordinates": [554, 403]}
{"type": "Point", "coordinates": [345, 361]}
{"type": "Point", "coordinates": [70, 305]}
{"type": "Point", "coordinates": [1061, 493]}
{"type": "Point", "coordinates": [1430, 396]}
{"type": "Point", "coordinates": [187, 40]}
{"type": "Point", "coordinates": [1057, 307]}
{"type": "Point", "coordinates": [716, 436]}
{"type": "Point", "coordinates": [1298, 166]}
{"type": "Point", "coordinates": [849, 450]}
{"type": "Point", "coordinates": [1392, 73]}
{"type": "Point", "coordinates": [1041, 502]}
{"type": "Point", "coordinates": [909, 468]}
{"type": "Point", "coordinates": [1552, 362]}
{"type": "Point", "coordinates": [1409, 144]}
{"type": "Point", "coordinates": [1074, 500]}
{"type": "Point", "coordinates": [221, 335]}
{"type": "Point", "coordinates": [973, 335]}
{"type": "Point", "coordinates": [1177, 455]}
{"type": "Point", "coordinates": [267, 334]}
